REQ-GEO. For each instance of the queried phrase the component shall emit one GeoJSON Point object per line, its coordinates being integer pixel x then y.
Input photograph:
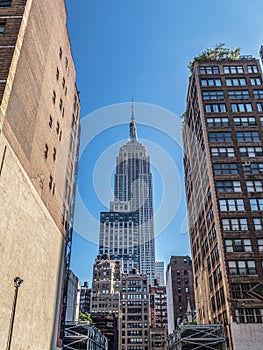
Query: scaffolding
{"type": "Point", "coordinates": [197, 337]}
{"type": "Point", "coordinates": [83, 336]}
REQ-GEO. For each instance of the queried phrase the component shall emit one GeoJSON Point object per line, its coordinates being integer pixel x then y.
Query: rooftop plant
{"type": "Point", "coordinates": [218, 53]}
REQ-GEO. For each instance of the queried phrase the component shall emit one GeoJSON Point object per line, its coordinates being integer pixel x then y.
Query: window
{"type": "Point", "coordinates": [258, 224]}
{"type": "Point", "coordinates": [228, 186]}
{"type": "Point", "coordinates": [231, 204]}
{"type": "Point", "coordinates": [218, 152]}
{"type": "Point", "coordinates": [50, 122]}
{"type": "Point", "coordinates": [254, 186]}
{"type": "Point", "coordinates": [249, 315]}
{"type": "Point", "coordinates": [60, 104]}
{"type": "Point", "coordinates": [237, 224]}
{"type": "Point", "coordinates": [211, 82]}
{"type": "Point", "coordinates": [260, 106]}
{"type": "Point", "coordinates": [252, 69]}
{"type": "Point", "coordinates": [258, 93]}
{"type": "Point", "coordinates": [210, 283]}
{"type": "Point", "coordinates": [213, 95]}
{"type": "Point", "coordinates": [209, 70]}
{"type": "Point", "coordinates": [57, 74]}
{"type": "Point", "coordinates": [244, 121]}
{"type": "Point", "coordinates": [54, 153]}
{"type": "Point", "coordinates": [215, 108]}
{"type": "Point", "coordinates": [238, 245]}
{"type": "Point", "coordinates": [256, 203]}
{"type": "Point", "coordinates": [243, 267]}
{"type": "Point", "coordinates": [250, 151]}
{"type": "Point", "coordinates": [252, 168]}
{"type": "Point", "coordinates": [220, 121]}
{"type": "Point", "coordinates": [239, 290]}
{"type": "Point", "coordinates": [247, 136]}
{"type": "Point", "coordinates": [46, 151]}
{"type": "Point", "coordinates": [2, 29]}
{"type": "Point", "coordinates": [50, 182]}
{"type": "Point", "coordinates": [236, 82]}
{"type": "Point", "coordinates": [220, 137]}
{"type": "Point", "coordinates": [225, 168]}
{"type": "Point", "coordinates": [60, 52]}
{"type": "Point", "coordinates": [241, 107]}
{"type": "Point", "coordinates": [260, 245]}
{"type": "Point", "coordinates": [233, 69]}
{"type": "Point", "coordinates": [238, 94]}
{"type": "Point", "coordinates": [54, 97]}
{"type": "Point", "coordinates": [255, 81]}
{"type": "Point", "coordinates": [63, 83]}
{"type": "Point", "coordinates": [5, 3]}
{"type": "Point", "coordinates": [214, 255]}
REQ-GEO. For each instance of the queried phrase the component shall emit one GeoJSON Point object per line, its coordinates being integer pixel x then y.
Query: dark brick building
{"type": "Point", "coordinates": [179, 289]}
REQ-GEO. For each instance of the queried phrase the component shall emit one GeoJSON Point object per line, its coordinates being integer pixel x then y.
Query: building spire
{"type": "Point", "coordinates": [133, 130]}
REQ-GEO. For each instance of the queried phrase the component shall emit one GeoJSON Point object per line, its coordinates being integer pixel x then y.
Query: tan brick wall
{"type": "Point", "coordinates": [28, 104]}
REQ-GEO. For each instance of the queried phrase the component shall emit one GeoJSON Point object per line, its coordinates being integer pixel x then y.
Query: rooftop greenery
{"type": "Point", "coordinates": [218, 53]}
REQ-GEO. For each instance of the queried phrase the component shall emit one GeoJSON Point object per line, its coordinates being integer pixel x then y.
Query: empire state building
{"type": "Point", "coordinates": [127, 231]}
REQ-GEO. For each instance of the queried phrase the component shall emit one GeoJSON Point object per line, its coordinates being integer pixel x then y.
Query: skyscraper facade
{"type": "Point", "coordinates": [159, 272]}
{"type": "Point", "coordinates": [119, 236]}
{"type": "Point", "coordinates": [127, 232]}
{"type": "Point", "coordinates": [39, 133]}
{"type": "Point", "coordinates": [223, 161]}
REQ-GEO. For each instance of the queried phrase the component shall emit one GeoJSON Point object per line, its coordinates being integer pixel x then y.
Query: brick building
{"type": "Point", "coordinates": [179, 289]}
{"type": "Point", "coordinates": [85, 298]}
{"type": "Point", "coordinates": [39, 132]}
{"type": "Point", "coordinates": [223, 160]}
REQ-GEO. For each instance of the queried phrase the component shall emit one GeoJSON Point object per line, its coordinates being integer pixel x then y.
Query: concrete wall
{"type": "Point", "coordinates": [30, 247]}
{"type": "Point", "coordinates": [247, 336]}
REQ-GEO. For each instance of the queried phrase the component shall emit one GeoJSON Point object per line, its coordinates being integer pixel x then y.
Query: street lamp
{"type": "Point", "coordinates": [17, 283]}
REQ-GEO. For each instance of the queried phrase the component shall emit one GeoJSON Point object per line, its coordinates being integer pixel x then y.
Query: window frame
{"type": "Point", "coordinates": [248, 136]}
{"type": "Point", "coordinates": [215, 108]}
{"type": "Point", "coordinates": [241, 107]}
{"type": "Point", "coordinates": [236, 69]}
{"type": "Point", "coordinates": [222, 152]}
{"type": "Point", "coordinates": [245, 121]}
{"type": "Point", "coordinates": [236, 81]}
{"type": "Point", "coordinates": [234, 224]}
{"type": "Point", "coordinates": [225, 168]}
{"type": "Point", "coordinates": [208, 70]}
{"type": "Point", "coordinates": [217, 121]}
{"type": "Point", "coordinates": [238, 94]}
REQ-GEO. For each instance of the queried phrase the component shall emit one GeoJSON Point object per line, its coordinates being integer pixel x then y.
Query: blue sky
{"type": "Point", "coordinates": [141, 49]}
